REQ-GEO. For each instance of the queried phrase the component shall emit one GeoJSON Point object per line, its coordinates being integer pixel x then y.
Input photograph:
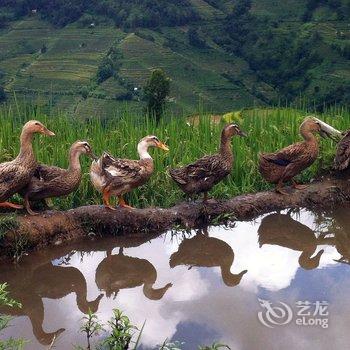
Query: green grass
{"type": "Point", "coordinates": [219, 80]}
{"type": "Point", "coordinates": [268, 130]}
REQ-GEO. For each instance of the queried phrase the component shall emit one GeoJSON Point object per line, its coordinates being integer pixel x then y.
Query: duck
{"type": "Point", "coordinates": [16, 174]}
{"type": "Point", "coordinates": [38, 280]}
{"type": "Point", "coordinates": [204, 251]}
{"type": "Point", "coordinates": [342, 157]}
{"type": "Point", "coordinates": [116, 177]}
{"type": "Point", "coordinates": [206, 172]}
{"type": "Point", "coordinates": [52, 181]}
{"type": "Point", "coordinates": [282, 166]}
{"type": "Point", "coordinates": [120, 271]}
{"type": "Point", "coordinates": [282, 230]}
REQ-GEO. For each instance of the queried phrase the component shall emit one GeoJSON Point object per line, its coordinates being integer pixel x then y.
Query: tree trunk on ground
{"type": "Point", "coordinates": [55, 227]}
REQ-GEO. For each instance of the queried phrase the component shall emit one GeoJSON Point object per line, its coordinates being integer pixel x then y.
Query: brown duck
{"type": "Point", "coordinates": [119, 271]}
{"type": "Point", "coordinates": [51, 181]}
{"type": "Point", "coordinates": [116, 177]}
{"type": "Point", "coordinates": [205, 251]}
{"type": "Point", "coordinates": [202, 175]}
{"type": "Point", "coordinates": [283, 230]}
{"type": "Point", "coordinates": [342, 157]}
{"type": "Point", "coordinates": [282, 166]}
{"type": "Point", "coordinates": [16, 174]}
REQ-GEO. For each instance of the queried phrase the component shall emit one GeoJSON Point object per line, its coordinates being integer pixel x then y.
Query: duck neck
{"type": "Point", "coordinates": [225, 146]}
{"type": "Point", "coordinates": [229, 278]}
{"type": "Point", "coordinates": [154, 293]}
{"type": "Point", "coordinates": [74, 161]}
{"type": "Point", "coordinates": [26, 147]}
{"type": "Point", "coordinates": [308, 136]}
{"type": "Point", "coordinates": [142, 149]}
{"type": "Point", "coordinates": [306, 261]}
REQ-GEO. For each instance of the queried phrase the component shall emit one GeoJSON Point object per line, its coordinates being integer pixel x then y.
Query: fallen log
{"type": "Point", "coordinates": [25, 233]}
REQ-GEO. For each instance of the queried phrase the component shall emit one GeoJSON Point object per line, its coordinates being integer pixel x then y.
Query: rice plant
{"type": "Point", "coordinates": [268, 130]}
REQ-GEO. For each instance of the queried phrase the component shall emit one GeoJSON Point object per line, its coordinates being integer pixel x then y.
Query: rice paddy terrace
{"type": "Point", "coordinates": [73, 56]}
{"type": "Point", "coordinates": [54, 64]}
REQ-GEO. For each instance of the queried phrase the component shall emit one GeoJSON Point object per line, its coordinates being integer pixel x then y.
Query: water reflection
{"type": "Point", "coordinates": [119, 271]}
{"type": "Point", "coordinates": [338, 233]}
{"type": "Point", "coordinates": [177, 285]}
{"type": "Point", "coordinates": [283, 230]}
{"type": "Point", "coordinates": [204, 251]}
{"type": "Point", "coordinates": [30, 286]}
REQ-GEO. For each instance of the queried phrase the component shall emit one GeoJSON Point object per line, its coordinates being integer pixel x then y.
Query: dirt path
{"type": "Point", "coordinates": [25, 233]}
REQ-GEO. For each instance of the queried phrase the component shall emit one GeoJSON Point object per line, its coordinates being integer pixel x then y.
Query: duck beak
{"type": "Point", "coordinates": [162, 146]}
{"type": "Point", "coordinates": [92, 155]}
{"type": "Point", "coordinates": [328, 131]}
{"type": "Point", "coordinates": [242, 133]}
{"type": "Point", "coordinates": [47, 132]}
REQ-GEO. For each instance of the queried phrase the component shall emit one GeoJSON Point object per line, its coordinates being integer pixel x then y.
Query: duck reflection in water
{"type": "Point", "coordinates": [30, 286]}
{"type": "Point", "coordinates": [283, 230]}
{"type": "Point", "coordinates": [120, 271]}
{"type": "Point", "coordinates": [204, 251]}
{"type": "Point", "coordinates": [338, 234]}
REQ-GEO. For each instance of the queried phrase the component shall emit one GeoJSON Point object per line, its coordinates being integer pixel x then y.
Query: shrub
{"type": "Point", "coordinates": [84, 92]}
{"type": "Point", "coordinates": [156, 91]}
{"type": "Point", "coordinates": [2, 94]}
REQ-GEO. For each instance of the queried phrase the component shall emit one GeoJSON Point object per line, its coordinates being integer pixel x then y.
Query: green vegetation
{"type": "Point", "coordinates": [6, 301]}
{"type": "Point", "coordinates": [290, 57]}
{"type": "Point", "coordinates": [127, 13]}
{"type": "Point", "coordinates": [221, 54]}
{"type": "Point", "coordinates": [268, 130]}
{"type": "Point", "coordinates": [7, 223]}
{"type": "Point", "coordinates": [2, 94]}
{"type": "Point", "coordinates": [156, 91]}
{"type": "Point", "coordinates": [121, 334]}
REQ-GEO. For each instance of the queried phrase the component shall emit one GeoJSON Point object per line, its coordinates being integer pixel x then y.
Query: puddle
{"type": "Point", "coordinates": [198, 287]}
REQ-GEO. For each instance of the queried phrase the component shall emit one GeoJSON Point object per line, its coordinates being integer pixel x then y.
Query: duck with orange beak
{"type": "Point", "coordinates": [16, 174]}
{"type": "Point", "coordinates": [116, 177]}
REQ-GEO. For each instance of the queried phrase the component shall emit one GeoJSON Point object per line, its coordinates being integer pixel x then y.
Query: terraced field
{"type": "Point", "coordinates": [54, 65]}
{"type": "Point", "coordinates": [71, 56]}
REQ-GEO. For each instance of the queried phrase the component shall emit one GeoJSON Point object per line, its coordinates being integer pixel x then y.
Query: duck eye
{"type": "Point", "coordinates": [37, 123]}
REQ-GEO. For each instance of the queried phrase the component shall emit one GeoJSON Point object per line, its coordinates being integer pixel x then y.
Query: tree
{"type": "Point", "coordinates": [156, 91]}
{"type": "Point", "coordinates": [2, 94]}
{"type": "Point", "coordinates": [194, 39]}
{"type": "Point", "coordinates": [43, 49]}
{"type": "Point", "coordinates": [105, 70]}
{"type": "Point", "coordinates": [84, 92]}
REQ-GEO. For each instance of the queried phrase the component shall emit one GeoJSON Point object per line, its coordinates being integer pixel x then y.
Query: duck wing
{"type": "Point", "coordinates": [342, 157]}
{"type": "Point", "coordinates": [204, 167]}
{"type": "Point", "coordinates": [47, 173]}
{"type": "Point", "coordinates": [114, 168]}
{"type": "Point", "coordinates": [288, 155]}
{"type": "Point", "coordinates": [13, 177]}
{"type": "Point", "coordinates": [47, 181]}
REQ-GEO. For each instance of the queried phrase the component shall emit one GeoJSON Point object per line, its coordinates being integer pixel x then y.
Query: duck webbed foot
{"type": "Point", "coordinates": [31, 212]}
{"type": "Point", "coordinates": [28, 208]}
{"type": "Point", "coordinates": [10, 205]}
{"type": "Point", "coordinates": [280, 189]}
{"type": "Point", "coordinates": [123, 204]}
{"type": "Point", "coordinates": [299, 186]}
{"type": "Point", "coordinates": [106, 197]}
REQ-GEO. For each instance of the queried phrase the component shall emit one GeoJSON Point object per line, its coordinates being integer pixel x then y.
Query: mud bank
{"type": "Point", "coordinates": [26, 233]}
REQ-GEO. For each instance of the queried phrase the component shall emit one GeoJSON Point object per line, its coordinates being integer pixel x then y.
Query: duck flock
{"type": "Point", "coordinates": [116, 176]}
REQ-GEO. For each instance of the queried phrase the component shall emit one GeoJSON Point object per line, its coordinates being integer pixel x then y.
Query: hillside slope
{"type": "Point", "coordinates": [222, 55]}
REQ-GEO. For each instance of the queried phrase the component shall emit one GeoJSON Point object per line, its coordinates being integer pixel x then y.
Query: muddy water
{"type": "Point", "coordinates": [197, 288]}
